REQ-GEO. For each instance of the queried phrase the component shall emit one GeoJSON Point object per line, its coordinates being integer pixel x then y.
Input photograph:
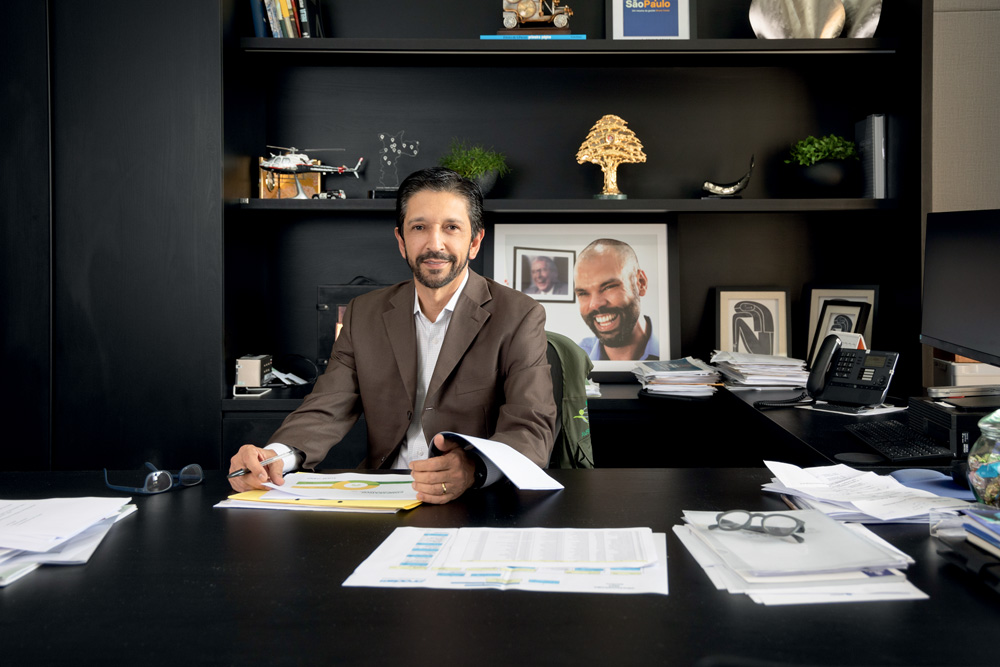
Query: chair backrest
{"type": "Point", "coordinates": [570, 367]}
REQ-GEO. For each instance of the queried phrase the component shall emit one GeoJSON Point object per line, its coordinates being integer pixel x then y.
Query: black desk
{"type": "Point", "coordinates": [180, 582]}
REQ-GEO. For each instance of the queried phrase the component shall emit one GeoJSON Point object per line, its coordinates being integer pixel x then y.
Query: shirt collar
{"type": "Point", "coordinates": [450, 306]}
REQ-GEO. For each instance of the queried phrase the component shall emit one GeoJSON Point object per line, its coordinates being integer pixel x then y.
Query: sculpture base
{"type": "Point", "coordinates": [617, 196]}
{"type": "Point", "coordinates": [383, 193]}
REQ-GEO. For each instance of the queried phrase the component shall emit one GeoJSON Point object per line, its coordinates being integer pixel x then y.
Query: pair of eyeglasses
{"type": "Point", "coordinates": [780, 525]}
{"type": "Point", "coordinates": [158, 481]}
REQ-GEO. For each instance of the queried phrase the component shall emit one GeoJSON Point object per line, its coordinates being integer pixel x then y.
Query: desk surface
{"type": "Point", "coordinates": [180, 582]}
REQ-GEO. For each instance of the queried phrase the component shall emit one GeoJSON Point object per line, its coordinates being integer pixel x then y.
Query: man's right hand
{"type": "Point", "coordinates": [249, 457]}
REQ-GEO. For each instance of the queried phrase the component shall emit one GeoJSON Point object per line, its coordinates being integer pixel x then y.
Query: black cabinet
{"type": "Point", "coordinates": [701, 108]}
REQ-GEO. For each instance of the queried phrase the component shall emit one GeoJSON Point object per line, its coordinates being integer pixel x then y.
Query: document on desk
{"type": "Point", "coordinates": [853, 495]}
{"type": "Point", "coordinates": [339, 492]}
{"type": "Point", "coordinates": [41, 525]}
{"type": "Point", "coordinates": [624, 561]}
{"type": "Point", "coordinates": [517, 467]}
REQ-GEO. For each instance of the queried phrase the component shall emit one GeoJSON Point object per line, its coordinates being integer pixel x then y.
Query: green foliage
{"type": "Point", "coordinates": [831, 147]}
{"type": "Point", "coordinates": [472, 160]}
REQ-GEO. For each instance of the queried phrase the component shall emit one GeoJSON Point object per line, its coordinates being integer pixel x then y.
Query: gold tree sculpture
{"type": "Point", "coordinates": [609, 144]}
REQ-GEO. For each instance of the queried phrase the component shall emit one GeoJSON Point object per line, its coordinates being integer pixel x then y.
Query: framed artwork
{"type": "Point", "coordinates": [837, 315]}
{"type": "Point", "coordinates": [546, 274]}
{"type": "Point", "coordinates": [653, 19]}
{"type": "Point", "coordinates": [617, 307]}
{"type": "Point", "coordinates": [753, 321]}
{"type": "Point", "coordinates": [820, 294]}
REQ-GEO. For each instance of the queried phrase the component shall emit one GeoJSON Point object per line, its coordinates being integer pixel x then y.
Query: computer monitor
{"type": "Point", "coordinates": [961, 298]}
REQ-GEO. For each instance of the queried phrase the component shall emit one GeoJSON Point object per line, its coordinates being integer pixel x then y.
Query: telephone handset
{"type": "Point", "coordinates": [850, 377]}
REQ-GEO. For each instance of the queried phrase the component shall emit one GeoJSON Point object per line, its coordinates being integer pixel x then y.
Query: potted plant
{"type": "Point", "coordinates": [827, 166]}
{"type": "Point", "coordinates": [475, 162]}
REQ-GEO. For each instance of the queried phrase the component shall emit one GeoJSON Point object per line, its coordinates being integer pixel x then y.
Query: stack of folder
{"type": "Point", "coordinates": [58, 531]}
{"type": "Point", "coordinates": [760, 370]}
{"type": "Point", "coordinates": [677, 377]}
{"type": "Point", "coordinates": [833, 562]}
{"type": "Point", "coordinates": [341, 492]}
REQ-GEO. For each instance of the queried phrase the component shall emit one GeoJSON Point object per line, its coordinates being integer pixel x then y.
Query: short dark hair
{"type": "Point", "coordinates": [441, 179]}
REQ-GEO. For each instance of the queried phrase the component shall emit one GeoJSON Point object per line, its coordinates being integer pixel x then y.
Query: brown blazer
{"type": "Point", "coordinates": [492, 379]}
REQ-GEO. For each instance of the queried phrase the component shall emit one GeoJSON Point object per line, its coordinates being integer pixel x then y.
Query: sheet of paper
{"type": "Point", "coordinates": [552, 547]}
{"type": "Point", "coordinates": [40, 525]}
{"type": "Point", "coordinates": [343, 486]}
{"type": "Point", "coordinates": [879, 496]}
{"type": "Point", "coordinates": [517, 467]}
{"type": "Point", "coordinates": [423, 558]}
{"type": "Point", "coordinates": [256, 505]}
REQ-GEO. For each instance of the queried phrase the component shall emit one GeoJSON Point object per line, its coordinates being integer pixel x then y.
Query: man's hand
{"type": "Point", "coordinates": [249, 457]}
{"type": "Point", "coordinates": [441, 479]}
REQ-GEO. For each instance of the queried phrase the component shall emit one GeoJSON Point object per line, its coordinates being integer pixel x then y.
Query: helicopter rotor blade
{"type": "Point", "coordinates": [316, 150]}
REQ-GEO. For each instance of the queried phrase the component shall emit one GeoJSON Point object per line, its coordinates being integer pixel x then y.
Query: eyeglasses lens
{"type": "Point", "coordinates": [191, 475]}
{"type": "Point", "coordinates": [158, 482]}
{"type": "Point", "coordinates": [733, 520]}
{"type": "Point", "coordinates": [778, 524]}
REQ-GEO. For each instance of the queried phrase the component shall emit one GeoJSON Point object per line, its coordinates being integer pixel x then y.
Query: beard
{"type": "Point", "coordinates": [440, 278]}
{"type": "Point", "coordinates": [621, 335]}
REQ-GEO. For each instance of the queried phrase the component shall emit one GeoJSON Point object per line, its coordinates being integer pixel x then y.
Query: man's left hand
{"type": "Point", "coordinates": [441, 479]}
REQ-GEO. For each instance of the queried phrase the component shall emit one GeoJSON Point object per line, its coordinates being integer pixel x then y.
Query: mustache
{"type": "Point", "coordinates": [432, 254]}
{"type": "Point", "coordinates": [604, 310]}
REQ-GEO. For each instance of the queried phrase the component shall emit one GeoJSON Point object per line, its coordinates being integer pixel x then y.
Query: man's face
{"type": "Point", "coordinates": [608, 304]}
{"type": "Point", "coordinates": [541, 275]}
{"type": "Point", "coordinates": [437, 238]}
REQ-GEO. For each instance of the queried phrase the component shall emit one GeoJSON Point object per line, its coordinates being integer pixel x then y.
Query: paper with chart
{"type": "Point", "coordinates": [534, 559]}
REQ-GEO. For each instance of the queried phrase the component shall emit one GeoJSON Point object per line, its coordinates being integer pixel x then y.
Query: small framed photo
{"type": "Point", "coordinates": [650, 19]}
{"type": "Point", "coordinates": [617, 306]}
{"type": "Point", "coordinates": [546, 274]}
{"type": "Point", "coordinates": [836, 315]}
{"type": "Point", "coordinates": [820, 294]}
{"type": "Point", "coordinates": [753, 321]}
{"type": "Point", "coordinates": [331, 304]}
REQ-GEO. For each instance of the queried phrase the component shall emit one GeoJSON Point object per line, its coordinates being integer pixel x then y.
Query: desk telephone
{"type": "Point", "coordinates": [845, 377]}
{"type": "Point", "coordinates": [847, 380]}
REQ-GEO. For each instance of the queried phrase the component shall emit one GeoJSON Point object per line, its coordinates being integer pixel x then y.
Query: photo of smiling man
{"type": "Point", "coordinates": [609, 287]}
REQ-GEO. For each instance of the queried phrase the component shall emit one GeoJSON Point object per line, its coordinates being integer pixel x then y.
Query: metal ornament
{"type": "Point", "coordinates": [609, 144]}
{"type": "Point", "coordinates": [729, 189]}
{"type": "Point", "coordinates": [797, 19]}
{"type": "Point", "coordinates": [862, 17]}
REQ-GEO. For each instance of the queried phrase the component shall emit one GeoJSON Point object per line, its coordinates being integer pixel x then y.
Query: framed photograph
{"type": "Point", "coordinates": [617, 308]}
{"type": "Point", "coordinates": [836, 315]}
{"type": "Point", "coordinates": [653, 19]}
{"type": "Point", "coordinates": [820, 294]}
{"type": "Point", "coordinates": [753, 321]}
{"type": "Point", "coordinates": [545, 274]}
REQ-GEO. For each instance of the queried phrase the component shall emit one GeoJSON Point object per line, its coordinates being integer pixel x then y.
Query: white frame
{"type": "Point", "coordinates": [775, 300]}
{"type": "Point", "coordinates": [619, 9]}
{"type": "Point", "coordinates": [650, 244]}
{"type": "Point", "coordinates": [565, 261]}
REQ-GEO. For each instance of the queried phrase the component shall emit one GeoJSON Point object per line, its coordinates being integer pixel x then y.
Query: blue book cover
{"type": "Point", "coordinates": [651, 19]}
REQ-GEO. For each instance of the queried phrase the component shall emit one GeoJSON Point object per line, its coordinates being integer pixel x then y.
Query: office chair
{"type": "Point", "coordinates": [572, 447]}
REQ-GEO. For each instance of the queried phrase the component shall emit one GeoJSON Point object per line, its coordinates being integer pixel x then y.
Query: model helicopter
{"type": "Point", "coordinates": [294, 163]}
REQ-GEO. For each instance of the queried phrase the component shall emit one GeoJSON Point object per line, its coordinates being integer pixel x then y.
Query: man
{"type": "Point", "coordinates": [609, 286]}
{"type": "Point", "coordinates": [446, 351]}
{"type": "Point", "coordinates": [545, 278]}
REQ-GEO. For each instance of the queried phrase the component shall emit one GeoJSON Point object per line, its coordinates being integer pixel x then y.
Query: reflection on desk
{"type": "Point", "coordinates": [245, 587]}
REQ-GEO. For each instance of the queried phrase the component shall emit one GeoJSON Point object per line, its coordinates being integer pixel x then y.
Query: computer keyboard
{"type": "Point", "coordinates": [898, 442]}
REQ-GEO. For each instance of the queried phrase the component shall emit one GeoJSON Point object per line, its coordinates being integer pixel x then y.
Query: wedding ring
{"type": "Point", "coordinates": [444, 489]}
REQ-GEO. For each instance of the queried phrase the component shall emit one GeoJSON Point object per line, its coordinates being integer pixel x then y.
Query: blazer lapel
{"type": "Point", "coordinates": [399, 329]}
{"type": "Point", "coordinates": [468, 318]}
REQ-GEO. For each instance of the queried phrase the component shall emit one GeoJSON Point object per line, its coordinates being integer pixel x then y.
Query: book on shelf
{"type": "Point", "coordinates": [287, 18]}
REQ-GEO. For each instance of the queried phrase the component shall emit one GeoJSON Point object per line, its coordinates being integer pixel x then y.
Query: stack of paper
{"type": "Point", "coordinates": [760, 370]}
{"type": "Point", "coordinates": [559, 560]}
{"type": "Point", "coordinates": [834, 562]}
{"type": "Point", "coordinates": [852, 495]}
{"type": "Point", "coordinates": [62, 531]}
{"type": "Point", "coordinates": [677, 377]}
{"type": "Point", "coordinates": [341, 492]}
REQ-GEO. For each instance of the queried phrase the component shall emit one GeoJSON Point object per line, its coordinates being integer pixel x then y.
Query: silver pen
{"type": "Point", "coordinates": [265, 462]}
